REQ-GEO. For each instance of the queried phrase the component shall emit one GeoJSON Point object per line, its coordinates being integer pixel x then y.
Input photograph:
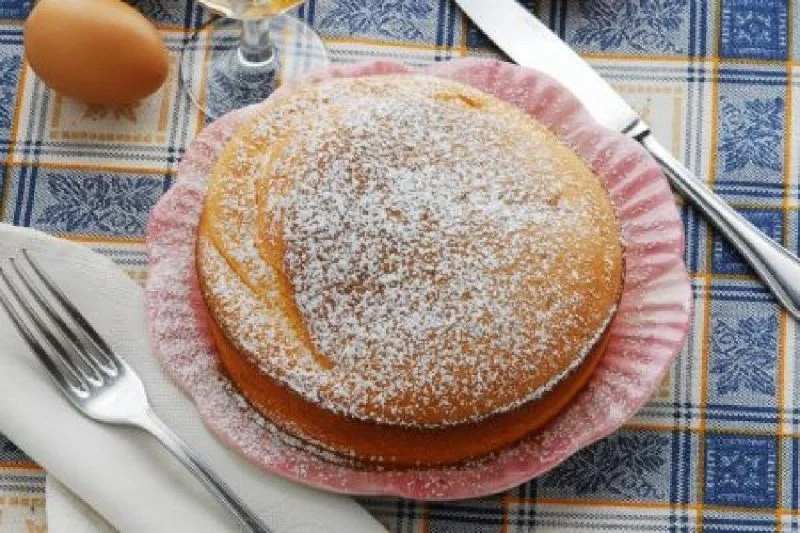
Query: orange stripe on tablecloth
{"type": "Point", "coordinates": [780, 384]}
{"type": "Point", "coordinates": [102, 239]}
{"type": "Point", "coordinates": [788, 206]}
{"type": "Point", "coordinates": [27, 465]}
{"type": "Point", "coordinates": [464, 37]}
{"type": "Point", "coordinates": [19, 499]}
{"type": "Point", "coordinates": [654, 505]}
{"type": "Point", "coordinates": [505, 503]}
{"type": "Point", "coordinates": [714, 58]}
{"type": "Point", "coordinates": [759, 61]}
{"type": "Point", "coordinates": [168, 28]}
{"type": "Point", "coordinates": [58, 102]}
{"type": "Point", "coordinates": [678, 113]}
{"type": "Point", "coordinates": [200, 116]}
{"type": "Point", "coordinates": [702, 274]}
{"type": "Point", "coordinates": [668, 428]}
{"type": "Point", "coordinates": [644, 57]}
{"type": "Point", "coordinates": [381, 43]}
{"type": "Point", "coordinates": [424, 524]}
{"type": "Point", "coordinates": [463, 49]}
{"type": "Point", "coordinates": [386, 43]}
{"type": "Point", "coordinates": [169, 96]}
{"type": "Point", "coordinates": [96, 168]}
{"type": "Point", "coordinates": [593, 502]}
{"type": "Point", "coordinates": [704, 355]}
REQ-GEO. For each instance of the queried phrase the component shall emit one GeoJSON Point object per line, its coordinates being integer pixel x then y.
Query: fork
{"type": "Point", "coordinates": [98, 383]}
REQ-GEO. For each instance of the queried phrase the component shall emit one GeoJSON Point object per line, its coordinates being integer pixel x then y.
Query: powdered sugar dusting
{"type": "Point", "coordinates": [640, 350]}
{"type": "Point", "coordinates": [441, 249]}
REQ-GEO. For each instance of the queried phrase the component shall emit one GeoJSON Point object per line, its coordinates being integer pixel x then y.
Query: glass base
{"type": "Point", "coordinates": [217, 78]}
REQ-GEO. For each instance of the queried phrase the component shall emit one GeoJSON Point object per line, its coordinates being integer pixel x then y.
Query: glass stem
{"type": "Point", "coordinates": [255, 47]}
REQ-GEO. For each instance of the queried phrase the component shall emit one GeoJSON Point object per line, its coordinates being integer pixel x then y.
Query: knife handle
{"type": "Point", "coordinates": [774, 264]}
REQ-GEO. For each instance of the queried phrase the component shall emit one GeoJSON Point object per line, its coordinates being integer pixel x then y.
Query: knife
{"type": "Point", "coordinates": [531, 44]}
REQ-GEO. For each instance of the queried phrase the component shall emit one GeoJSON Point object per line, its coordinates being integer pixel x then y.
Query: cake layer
{"type": "Point", "coordinates": [369, 444]}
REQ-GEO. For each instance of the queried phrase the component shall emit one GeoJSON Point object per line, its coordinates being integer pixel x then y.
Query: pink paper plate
{"type": "Point", "coordinates": [644, 338]}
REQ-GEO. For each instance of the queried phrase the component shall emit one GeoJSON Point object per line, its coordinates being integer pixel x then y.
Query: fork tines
{"type": "Point", "coordinates": [66, 344]}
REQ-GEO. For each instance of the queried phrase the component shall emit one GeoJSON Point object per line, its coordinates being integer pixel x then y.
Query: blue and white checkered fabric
{"type": "Point", "coordinates": [718, 447]}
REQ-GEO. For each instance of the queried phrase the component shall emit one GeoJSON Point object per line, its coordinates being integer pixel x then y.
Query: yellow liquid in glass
{"type": "Point", "coordinates": [255, 8]}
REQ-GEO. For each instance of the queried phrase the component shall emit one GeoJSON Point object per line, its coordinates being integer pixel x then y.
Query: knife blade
{"type": "Point", "coordinates": [530, 43]}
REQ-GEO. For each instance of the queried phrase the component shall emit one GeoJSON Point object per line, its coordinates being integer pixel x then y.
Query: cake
{"type": "Point", "coordinates": [404, 271]}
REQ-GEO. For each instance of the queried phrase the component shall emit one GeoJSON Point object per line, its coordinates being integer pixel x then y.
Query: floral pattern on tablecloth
{"type": "Point", "coordinates": [717, 448]}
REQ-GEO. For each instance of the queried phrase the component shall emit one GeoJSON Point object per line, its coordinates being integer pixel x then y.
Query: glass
{"type": "Point", "coordinates": [248, 54]}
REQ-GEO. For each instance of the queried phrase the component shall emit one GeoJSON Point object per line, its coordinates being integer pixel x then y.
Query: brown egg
{"type": "Point", "coordinates": [98, 51]}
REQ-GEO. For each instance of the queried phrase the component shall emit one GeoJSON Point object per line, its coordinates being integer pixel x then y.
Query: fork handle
{"type": "Point", "coordinates": [778, 268]}
{"type": "Point", "coordinates": [151, 423]}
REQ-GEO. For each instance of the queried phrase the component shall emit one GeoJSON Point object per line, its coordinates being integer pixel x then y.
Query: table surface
{"type": "Point", "coordinates": [718, 447]}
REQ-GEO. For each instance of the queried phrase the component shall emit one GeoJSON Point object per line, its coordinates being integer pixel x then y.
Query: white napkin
{"type": "Point", "coordinates": [66, 512]}
{"type": "Point", "coordinates": [121, 472]}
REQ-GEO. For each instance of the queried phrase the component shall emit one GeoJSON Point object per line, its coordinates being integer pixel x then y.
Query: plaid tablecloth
{"type": "Point", "coordinates": [718, 448]}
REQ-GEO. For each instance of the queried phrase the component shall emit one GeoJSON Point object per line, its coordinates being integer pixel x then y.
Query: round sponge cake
{"type": "Point", "coordinates": [405, 270]}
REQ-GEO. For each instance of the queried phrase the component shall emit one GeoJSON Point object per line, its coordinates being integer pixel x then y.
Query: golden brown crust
{"type": "Point", "coordinates": [386, 291]}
